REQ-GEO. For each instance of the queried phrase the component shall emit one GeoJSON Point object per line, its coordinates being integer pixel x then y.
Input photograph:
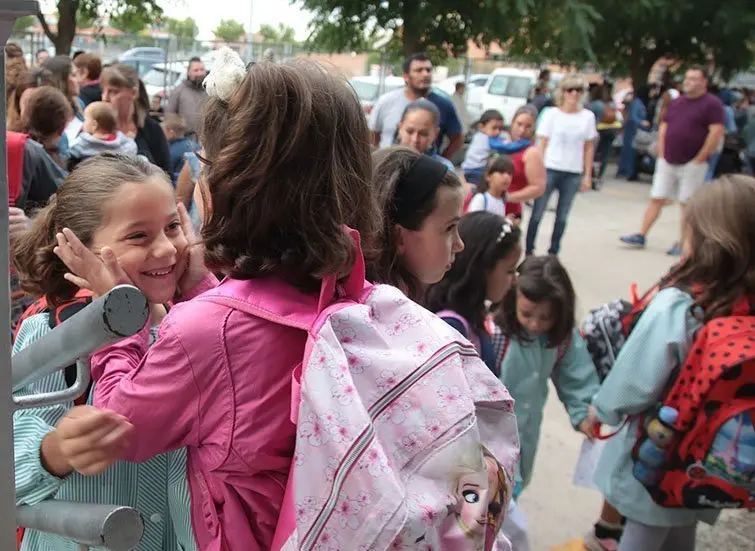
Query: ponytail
{"type": "Point", "coordinates": [39, 269]}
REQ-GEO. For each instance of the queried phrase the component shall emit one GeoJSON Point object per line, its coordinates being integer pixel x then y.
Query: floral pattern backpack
{"type": "Point", "coordinates": [405, 439]}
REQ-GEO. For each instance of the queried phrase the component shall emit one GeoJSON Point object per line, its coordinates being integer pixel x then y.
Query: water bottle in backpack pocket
{"type": "Point", "coordinates": [698, 450]}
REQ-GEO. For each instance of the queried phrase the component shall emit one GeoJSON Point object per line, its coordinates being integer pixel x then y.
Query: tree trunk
{"type": "Point", "coordinates": [411, 29]}
{"type": "Point", "coordinates": [640, 65]}
{"type": "Point", "coordinates": [66, 26]}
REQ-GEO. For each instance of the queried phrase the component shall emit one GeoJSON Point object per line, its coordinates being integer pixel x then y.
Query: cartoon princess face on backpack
{"type": "Point", "coordinates": [482, 498]}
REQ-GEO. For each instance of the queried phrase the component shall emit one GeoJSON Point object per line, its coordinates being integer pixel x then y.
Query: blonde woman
{"type": "Point", "coordinates": [566, 135]}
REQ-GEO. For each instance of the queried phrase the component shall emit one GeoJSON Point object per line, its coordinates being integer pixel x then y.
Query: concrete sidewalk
{"type": "Point", "coordinates": [602, 269]}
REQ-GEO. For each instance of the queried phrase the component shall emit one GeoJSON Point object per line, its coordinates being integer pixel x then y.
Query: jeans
{"type": "Point", "coordinates": [605, 148]}
{"type": "Point", "coordinates": [567, 184]}
{"type": "Point", "coordinates": [712, 164]}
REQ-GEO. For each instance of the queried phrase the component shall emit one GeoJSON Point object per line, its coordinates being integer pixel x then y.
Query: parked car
{"type": "Point", "coordinates": [448, 85]}
{"type": "Point", "coordinates": [506, 90]}
{"type": "Point", "coordinates": [142, 59]}
{"type": "Point", "coordinates": [158, 54]}
{"type": "Point", "coordinates": [370, 88]}
{"type": "Point", "coordinates": [162, 78]}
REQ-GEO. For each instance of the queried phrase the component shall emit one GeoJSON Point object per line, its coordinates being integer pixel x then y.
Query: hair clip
{"type": "Point", "coordinates": [506, 228]}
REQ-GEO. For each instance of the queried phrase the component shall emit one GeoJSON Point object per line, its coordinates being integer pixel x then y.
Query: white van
{"type": "Point", "coordinates": [506, 91]}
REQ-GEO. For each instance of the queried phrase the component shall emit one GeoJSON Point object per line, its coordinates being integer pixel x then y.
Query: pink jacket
{"type": "Point", "coordinates": [218, 382]}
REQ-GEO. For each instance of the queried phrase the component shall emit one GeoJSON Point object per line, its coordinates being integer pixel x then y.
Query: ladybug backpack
{"type": "Point", "coordinates": [698, 451]}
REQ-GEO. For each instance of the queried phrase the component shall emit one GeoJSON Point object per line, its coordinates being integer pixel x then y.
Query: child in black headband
{"type": "Point", "coordinates": [422, 202]}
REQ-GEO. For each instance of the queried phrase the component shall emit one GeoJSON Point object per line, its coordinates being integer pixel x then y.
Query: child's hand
{"type": "Point", "coordinates": [87, 440]}
{"type": "Point", "coordinates": [195, 269]}
{"type": "Point", "coordinates": [18, 223]}
{"type": "Point", "coordinates": [99, 275]}
{"type": "Point", "coordinates": [588, 429]}
{"type": "Point", "coordinates": [592, 415]}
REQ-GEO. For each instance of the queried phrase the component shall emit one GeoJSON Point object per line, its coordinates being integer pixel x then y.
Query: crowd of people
{"type": "Point", "coordinates": [240, 225]}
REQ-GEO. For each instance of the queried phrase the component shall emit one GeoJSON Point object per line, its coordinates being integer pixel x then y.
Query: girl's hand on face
{"type": "Point", "coordinates": [88, 271]}
{"type": "Point", "coordinates": [87, 440]}
{"type": "Point", "coordinates": [195, 269]}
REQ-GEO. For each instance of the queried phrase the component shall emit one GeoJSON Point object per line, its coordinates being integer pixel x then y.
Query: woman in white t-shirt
{"type": "Point", "coordinates": [567, 137]}
{"type": "Point", "coordinates": [491, 189]}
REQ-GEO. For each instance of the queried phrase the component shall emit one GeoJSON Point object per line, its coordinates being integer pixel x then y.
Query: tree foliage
{"type": "Point", "coordinates": [72, 12]}
{"type": "Point", "coordinates": [23, 23]}
{"type": "Point", "coordinates": [283, 34]}
{"type": "Point", "coordinates": [132, 19]}
{"type": "Point", "coordinates": [631, 36]}
{"type": "Point", "coordinates": [440, 27]}
{"type": "Point", "coordinates": [229, 30]}
{"type": "Point", "coordinates": [181, 28]}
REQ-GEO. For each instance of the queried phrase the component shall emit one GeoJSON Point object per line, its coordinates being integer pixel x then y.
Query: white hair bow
{"type": "Point", "coordinates": [506, 228]}
{"type": "Point", "coordinates": [227, 72]}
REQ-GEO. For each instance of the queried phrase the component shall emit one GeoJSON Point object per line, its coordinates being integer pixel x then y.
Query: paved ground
{"type": "Point", "coordinates": [602, 269]}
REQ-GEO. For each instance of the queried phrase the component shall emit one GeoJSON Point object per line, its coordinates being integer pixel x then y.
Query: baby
{"type": "Point", "coordinates": [99, 134]}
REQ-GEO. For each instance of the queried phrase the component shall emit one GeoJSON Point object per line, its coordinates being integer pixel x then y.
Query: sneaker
{"type": "Point", "coordinates": [635, 240]}
{"type": "Point", "coordinates": [593, 543]}
{"type": "Point", "coordinates": [675, 250]}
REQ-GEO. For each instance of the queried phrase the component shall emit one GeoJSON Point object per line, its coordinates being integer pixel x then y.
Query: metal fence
{"type": "Point", "coordinates": [109, 46]}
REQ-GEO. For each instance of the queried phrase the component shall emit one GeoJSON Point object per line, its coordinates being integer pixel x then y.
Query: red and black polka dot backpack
{"type": "Point", "coordinates": [699, 451]}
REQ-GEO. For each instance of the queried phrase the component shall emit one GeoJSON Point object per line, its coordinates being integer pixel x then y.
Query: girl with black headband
{"type": "Point", "coordinates": [421, 201]}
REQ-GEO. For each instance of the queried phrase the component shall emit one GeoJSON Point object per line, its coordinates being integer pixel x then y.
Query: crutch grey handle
{"type": "Point", "coordinates": [120, 313]}
{"type": "Point", "coordinates": [70, 394]}
{"type": "Point", "coordinates": [111, 526]}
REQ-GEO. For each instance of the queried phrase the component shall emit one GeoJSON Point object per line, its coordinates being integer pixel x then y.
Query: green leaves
{"type": "Point", "coordinates": [281, 35]}
{"type": "Point", "coordinates": [229, 30]}
{"type": "Point", "coordinates": [186, 29]}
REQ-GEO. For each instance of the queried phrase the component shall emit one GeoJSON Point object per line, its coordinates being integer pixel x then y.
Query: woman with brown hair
{"type": "Point", "coordinates": [15, 66]}
{"type": "Point", "coordinates": [45, 117]}
{"type": "Point", "coordinates": [62, 70]}
{"type": "Point", "coordinates": [63, 79]}
{"type": "Point", "coordinates": [28, 80]}
{"type": "Point", "coordinates": [122, 88]}
{"type": "Point", "coordinates": [87, 70]}
{"type": "Point", "coordinates": [528, 181]}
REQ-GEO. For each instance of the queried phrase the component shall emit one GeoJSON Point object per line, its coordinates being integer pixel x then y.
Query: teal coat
{"type": "Point", "coordinates": [657, 345]}
{"type": "Point", "coordinates": [525, 370]}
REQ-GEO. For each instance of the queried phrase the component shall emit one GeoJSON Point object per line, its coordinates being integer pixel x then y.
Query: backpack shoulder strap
{"type": "Point", "coordinates": [485, 196]}
{"type": "Point", "coordinates": [15, 144]}
{"type": "Point", "coordinates": [470, 334]}
{"type": "Point", "coordinates": [261, 300]}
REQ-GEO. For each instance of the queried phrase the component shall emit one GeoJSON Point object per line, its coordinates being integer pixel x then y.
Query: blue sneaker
{"type": "Point", "coordinates": [675, 250]}
{"type": "Point", "coordinates": [635, 240]}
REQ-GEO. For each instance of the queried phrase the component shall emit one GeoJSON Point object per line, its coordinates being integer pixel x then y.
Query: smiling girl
{"type": "Point", "coordinates": [122, 208]}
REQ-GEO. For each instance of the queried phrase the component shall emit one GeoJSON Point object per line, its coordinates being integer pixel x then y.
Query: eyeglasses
{"type": "Point", "coordinates": [580, 90]}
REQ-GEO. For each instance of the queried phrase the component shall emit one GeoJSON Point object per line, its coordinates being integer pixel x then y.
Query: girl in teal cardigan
{"type": "Point", "coordinates": [538, 341]}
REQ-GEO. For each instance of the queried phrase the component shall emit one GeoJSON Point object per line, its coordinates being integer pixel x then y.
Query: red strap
{"type": "Point", "coordinates": [611, 435]}
{"type": "Point", "coordinates": [15, 143]}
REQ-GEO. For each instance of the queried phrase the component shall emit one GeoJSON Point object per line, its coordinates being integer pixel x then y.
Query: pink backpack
{"type": "Point", "coordinates": [405, 439]}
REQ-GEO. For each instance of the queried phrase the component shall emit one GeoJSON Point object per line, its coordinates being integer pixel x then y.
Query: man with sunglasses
{"type": "Point", "coordinates": [690, 132]}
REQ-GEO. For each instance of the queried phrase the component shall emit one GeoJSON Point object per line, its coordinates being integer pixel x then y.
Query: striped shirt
{"type": "Point", "coordinates": [157, 488]}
